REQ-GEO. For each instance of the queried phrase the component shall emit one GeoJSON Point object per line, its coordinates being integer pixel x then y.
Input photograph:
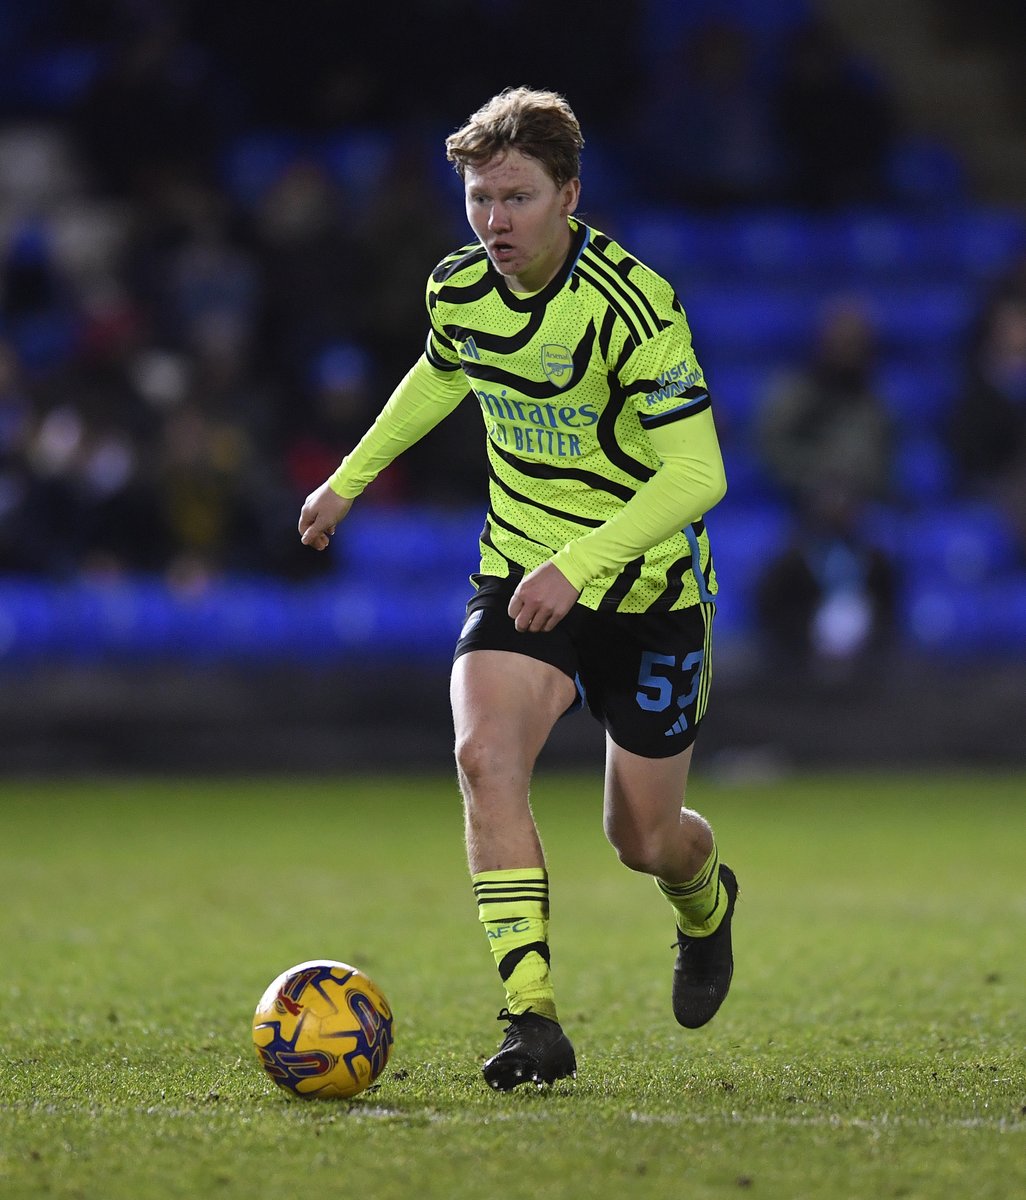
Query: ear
{"type": "Point", "coordinates": [571, 195]}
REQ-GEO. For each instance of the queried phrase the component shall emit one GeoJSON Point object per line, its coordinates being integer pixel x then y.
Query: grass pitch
{"type": "Point", "coordinates": [872, 1046]}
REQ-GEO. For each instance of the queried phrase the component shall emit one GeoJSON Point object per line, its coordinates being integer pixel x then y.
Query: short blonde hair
{"type": "Point", "coordinates": [538, 123]}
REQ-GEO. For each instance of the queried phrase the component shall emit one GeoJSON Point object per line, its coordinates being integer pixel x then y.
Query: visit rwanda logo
{"type": "Point", "coordinates": [558, 364]}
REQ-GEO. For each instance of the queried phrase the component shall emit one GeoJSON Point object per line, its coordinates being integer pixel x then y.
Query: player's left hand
{"type": "Point", "coordinates": [542, 600]}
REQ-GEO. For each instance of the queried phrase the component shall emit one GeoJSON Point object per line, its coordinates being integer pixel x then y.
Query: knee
{"type": "Point", "coordinates": [483, 766]}
{"type": "Point", "coordinates": [643, 859]}
{"type": "Point", "coordinates": [638, 850]}
{"type": "Point", "coordinates": [474, 760]}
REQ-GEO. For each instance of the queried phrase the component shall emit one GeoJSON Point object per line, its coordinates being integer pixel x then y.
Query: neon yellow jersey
{"type": "Point", "coordinates": [573, 383]}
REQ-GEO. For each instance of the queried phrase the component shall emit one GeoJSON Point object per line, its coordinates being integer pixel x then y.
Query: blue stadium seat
{"type": "Point", "coordinates": [921, 316]}
{"type": "Point", "coordinates": [28, 620]}
{"type": "Point", "coordinates": [666, 20]}
{"type": "Point", "coordinates": [682, 247]}
{"type": "Point", "coordinates": [988, 241]}
{"type": "Point", "coordinates": [737, 390]}
{"type": "Point", "coordinates": [770, 323]}
{"type": "Point", "coordinates": [965, 621]}
{"type": "Point", "coordinates": [920, 394]}
{"type": "Point", "coordinates": [927, 173]}
{"type": "Point", "coordinates": [924, 247]}
{"type": "Point", "coordinates": [747, 481]}
{"type": "Point", "coordinates": [54, 79]}
{"type": "Point", "coordinates": [380, 621]}
{"type": "Point", "coordinates": [775, 244]}
{"type": "Point", "coordinates": [953, 544]}
{"type": "Point", "coordinates": [743, 537]}
{"type": "Point", "coordinates": [923, 470]}
{"type": "Point", "coordinates": [254, 162]}
{"type": "Point", "coordinates": [44, 340]}
{"type": "Point", "coordinates": [386, 543]}
{"type": "Point", "coordinates": [866, 245]}
{"type": "Point", "coordinates": [357, 159]}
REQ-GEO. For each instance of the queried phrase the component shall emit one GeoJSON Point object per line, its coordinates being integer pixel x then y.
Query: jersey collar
{"type": "Point", "coordinates": [580, 235]}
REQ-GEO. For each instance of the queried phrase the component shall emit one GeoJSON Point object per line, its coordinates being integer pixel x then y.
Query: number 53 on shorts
{"type": "Point", "coordinates": [671, 684]}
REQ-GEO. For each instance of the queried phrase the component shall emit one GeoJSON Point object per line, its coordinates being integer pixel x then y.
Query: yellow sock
{"type": "Point", "coordinates": [513, 906]}
{"type": "Point", "coordinates": [699, 903]}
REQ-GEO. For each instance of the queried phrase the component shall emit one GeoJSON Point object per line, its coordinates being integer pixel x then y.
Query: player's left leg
{"type": "Point", "coordinates": [652, 832]}
{"type": "Point", "coordinates": [647, 677]}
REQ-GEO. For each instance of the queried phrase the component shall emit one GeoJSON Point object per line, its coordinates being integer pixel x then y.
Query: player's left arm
{"type": "Point", "coordinates": [689, 481]}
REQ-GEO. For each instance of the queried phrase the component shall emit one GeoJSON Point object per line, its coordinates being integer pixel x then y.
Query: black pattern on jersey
{"type": "Point", "coordinates": [541, 470]}
{"type": "Point", "coordinates": [630, 318]}
{"type": "Point", "coordinates": [675, 573]}
{"type": "Point", "coordinates": [488, 540]}
{"type": "Point", "coordinates": [628, 300]}
{"type": "Point", "coordinates": [499, 342]}
{"type": "Point", "coordinates": [693, 401]}
{"type": "Point", "coordinates": [465, 256]}
{"type": "Point", "coordinates": [434, 358]}
{"type": "Point", "coordinates": [623, 583]}
{"type": "Point", "coordinates": [495, 519]}
{"type": "Point", "coordinates": [544, 389]}
{"type": "Point", "coordinates": [464, 293]}
{"type": "Point", "coordinates": [606, 434]}
{"type": "Point", "coordinates": [606, 333]}
{"type": "Point", "coordinates": [628, 348]}
{"type": "Point", "coordinates": [707, 574]}
{"type": "Point", "coordinates": [623, 269]}
{"type": "Point", "coordinates": [520, 498]}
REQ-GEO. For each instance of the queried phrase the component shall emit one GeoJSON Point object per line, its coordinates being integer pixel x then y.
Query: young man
{"type": "Point", "coordinates": [596, 579]}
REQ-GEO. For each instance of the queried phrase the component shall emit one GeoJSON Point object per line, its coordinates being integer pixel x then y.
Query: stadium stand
{"type": "Point", "coordinates": [143, 357]}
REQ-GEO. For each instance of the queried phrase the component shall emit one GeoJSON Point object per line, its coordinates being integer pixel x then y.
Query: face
{"type": "Point", "coordinates": [519, 215]}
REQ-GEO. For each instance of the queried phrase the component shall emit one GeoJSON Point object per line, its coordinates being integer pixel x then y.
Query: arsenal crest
{"type": "Point", "coordinates": [557, 363]}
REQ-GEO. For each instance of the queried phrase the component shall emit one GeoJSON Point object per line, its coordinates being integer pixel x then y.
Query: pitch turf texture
{"type": "Point", "coordinates": [872, 1046]}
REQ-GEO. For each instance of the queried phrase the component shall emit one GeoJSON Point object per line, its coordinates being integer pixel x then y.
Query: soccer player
{"type": "Point", "coordinates": [596, 581]}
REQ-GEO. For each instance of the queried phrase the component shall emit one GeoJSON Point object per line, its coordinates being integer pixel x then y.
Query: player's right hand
{"type": "Point", "coordinates": [320, 514]}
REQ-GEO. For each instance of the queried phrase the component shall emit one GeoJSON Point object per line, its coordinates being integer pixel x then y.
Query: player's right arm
{"type": "Point", "coordinates": [424, 397]}
{"type": "Point", "coordinates": [322, 511]}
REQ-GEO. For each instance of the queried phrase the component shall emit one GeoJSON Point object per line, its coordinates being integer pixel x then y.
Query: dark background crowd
{"type": "Point", "coordinates": [220, 218]}
{"type": "Point", "coordinates": [216, 223]}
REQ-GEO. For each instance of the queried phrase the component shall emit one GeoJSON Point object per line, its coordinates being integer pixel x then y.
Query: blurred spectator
{"type": "Point", "coordinates": [702, 132]}
{"type": "Point", "coordinates": [148, 115]}
{"type": "Point", "coordinates": [824, 424]}
{"type": "Point", "coordinates": [173, 379]}
{"type": "Point", "coordinates": [200, 476]}
{"type": "Point", "coordinates": [827, 599]}
{"type": "Point", "coordinates": [188, 263]}
{"type": "Point", "coordinates": [1009, 285]}
{"type": "Point", "coordinates": [836, 123]}
{"type": "Point", "coordinates": [16, 545]}
{"type": "Point", "coordinates": [37, 302]}
{"type": "Point", "coordinates": [318, 270]}
{"type": "Point", "coordinates": [989, 426]}
{"type": "Point", "coordinates": [825, 441]}
{"type": "Point", "coordinates": [336, 406]}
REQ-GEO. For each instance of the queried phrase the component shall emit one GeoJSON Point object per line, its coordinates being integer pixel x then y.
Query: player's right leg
{"type": "Point", "coordinates": [504, 705]}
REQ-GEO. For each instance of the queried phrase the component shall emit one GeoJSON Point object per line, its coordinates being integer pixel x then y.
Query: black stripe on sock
{"type": "Point", "coordinates": [511, 961]}
{"type": "Point", "coordinates": [682, 890]}
{"type": "Point", "coordinates": [518, 885]}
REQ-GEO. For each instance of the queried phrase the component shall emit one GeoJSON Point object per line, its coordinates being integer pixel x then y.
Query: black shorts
{"type": "Point", "coordinates": [645, 676]}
